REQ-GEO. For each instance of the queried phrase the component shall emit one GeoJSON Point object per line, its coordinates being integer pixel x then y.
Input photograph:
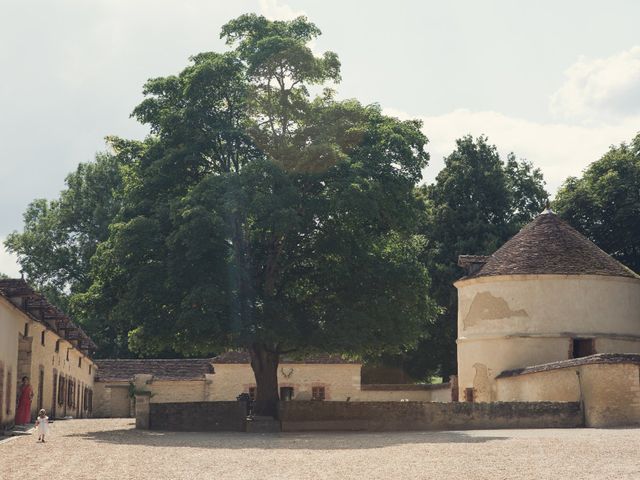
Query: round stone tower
{"type": "Point", "coordinates": [548, 294]}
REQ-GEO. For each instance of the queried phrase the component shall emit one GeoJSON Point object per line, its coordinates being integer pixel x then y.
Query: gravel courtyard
{"type": "Point", "coordinates": [111, 448]}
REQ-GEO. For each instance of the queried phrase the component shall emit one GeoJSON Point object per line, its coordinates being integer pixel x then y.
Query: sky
{"type": "Point", "coordinates": [556, 83]}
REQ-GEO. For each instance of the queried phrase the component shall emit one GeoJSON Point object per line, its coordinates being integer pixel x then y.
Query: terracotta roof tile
{"type": "Point", "coordinates": [601, 358]}
{"type": "Point", "coordinates": [548, 245]}
{"type": "Point", "coordinates": [122, 370]}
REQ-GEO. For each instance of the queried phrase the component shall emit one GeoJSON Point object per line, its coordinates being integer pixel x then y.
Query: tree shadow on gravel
{"type": "Point", "coordinates": [307, 441]}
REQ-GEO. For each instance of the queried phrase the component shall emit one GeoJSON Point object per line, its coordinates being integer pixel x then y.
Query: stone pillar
{"type": "Point", "coordinates": [208, 387]}
{"type": "Point", "coordinates": [143, 401]}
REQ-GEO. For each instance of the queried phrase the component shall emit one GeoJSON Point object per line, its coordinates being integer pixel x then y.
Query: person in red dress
{"type": "Point", "coordinates": [23, 413]}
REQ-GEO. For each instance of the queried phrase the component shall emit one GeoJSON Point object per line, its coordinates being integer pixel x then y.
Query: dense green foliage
{"type": "Point", "coordinates": [604, 204]}
{"type": "Point", "coordinates": [60, 237]}
{"type": "Point", "coordinates": [254, 216]}
{"type": "Point", "coordinates": [476, 204]}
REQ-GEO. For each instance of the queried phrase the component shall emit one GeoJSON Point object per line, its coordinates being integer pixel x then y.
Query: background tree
{"type": "Point", "coordinates": [257, 217]}
{"type": "Point", "coordinates": [604, 204]}
{"type": "Point", "coordinates": [60, 237]}
{"type": "Point", "coordinates": [476, 203]}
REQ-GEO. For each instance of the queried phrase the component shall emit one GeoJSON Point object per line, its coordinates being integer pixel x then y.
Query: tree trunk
{"type": "Point", "coordinates": [264, 363]}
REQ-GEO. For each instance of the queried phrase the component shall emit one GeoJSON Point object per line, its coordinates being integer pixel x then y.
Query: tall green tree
{"type": "Point", "coordinates": [60, 237]}
{"type": "Point", "coordinates": [258, 217]}
{"type": "Point", "coordinates": [476, 203]}
{"type": "Point", "coordinates": [604, 204]}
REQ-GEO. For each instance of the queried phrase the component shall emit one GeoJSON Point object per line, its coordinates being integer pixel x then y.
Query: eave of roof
{"type": "Point", "coordinates": [598, 358]}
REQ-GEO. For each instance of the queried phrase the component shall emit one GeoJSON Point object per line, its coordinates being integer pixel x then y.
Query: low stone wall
{"type": "Point", "coordinates": [390, 416]}
{"type": "Point", "coordinates": [197, 416]}
{"type": "Point", "coordinates": [404, 392]}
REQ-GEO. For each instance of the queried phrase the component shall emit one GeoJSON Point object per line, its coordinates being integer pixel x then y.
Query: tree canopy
{"type": "Point", "coordinates": [257, 216]}
{"type": "Point", "coordinates": [476, 203]}
{"type": "Point", "coordinates": [604, 204]}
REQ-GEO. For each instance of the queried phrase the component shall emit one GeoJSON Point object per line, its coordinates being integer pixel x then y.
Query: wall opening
{"type": "Point", "coordinates": [286, 393]}
{"type": "Point", "coordinates": [468, 394]}
{"type": "Point", "coordinates": [582, 347]}
{"type": "Point", "coordinates": [40, 401]}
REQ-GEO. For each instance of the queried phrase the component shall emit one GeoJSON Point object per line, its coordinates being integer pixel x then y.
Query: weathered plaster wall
{"type": "Point", "coordinates": [11, 326]}
{"type": "Point", "coordinates": [611, 395]}
{"type": "Point", "coordinates": [610, 392]}
{"type": "Point", "coordinates": [553, 386]}
{"type": "Point", "coordinates": [341, 381]}
{"type": "Point", "coordinates": [507, 322]}
{"type": "Point", "coordinates": [395, 393]}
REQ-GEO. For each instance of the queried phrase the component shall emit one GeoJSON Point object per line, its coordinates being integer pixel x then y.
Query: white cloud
{"type": "Point", "coordinates": [600, 89]}
{"type": "Point", "coordinates": [276, 10]}
{"type": "Point", "coordinates": [558, 149]}
{"type": "Point", "coordinates": [8, 262]}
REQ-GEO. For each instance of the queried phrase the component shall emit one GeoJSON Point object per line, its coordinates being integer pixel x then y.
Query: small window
{"type": "Point", "coordinates": [57, 346]}
{"type": "Point", "coordinates": [80, 362]}
{"type": "Point", "coordinates": [61, 389]}
{"type": "Point", "coordinates": [90, 369]}
{"type": "Point", "coordinates": [468, 394]}
{"type": "Point", "coordinates": [286, 394]}
{"type": "Point", "coordinates": [252, 393]}
{"type": "Point", "coordinates": [67, 354]}
{"type": "Point", "coordinates": [317, 393]}
{"type": "Point", "coordinates": [26, 329]}
{"type": "Point", "coordinates": [42, 335]}
{"type": "Point", "coordinates": [583, 347]}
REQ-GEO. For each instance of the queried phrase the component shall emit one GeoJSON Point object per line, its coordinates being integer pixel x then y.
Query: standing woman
{"type": "Point", "coordinates": [23, 413]}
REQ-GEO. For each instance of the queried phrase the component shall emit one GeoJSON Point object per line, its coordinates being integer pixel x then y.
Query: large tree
{"type": "Point", "coordinates": [476, 203]}
{"type": "Point", "coordinates": [604, 204]}
{"type": "Point", "coordinates": [59, 238]}
{"type": "Point", "coordinates": [258, 217]}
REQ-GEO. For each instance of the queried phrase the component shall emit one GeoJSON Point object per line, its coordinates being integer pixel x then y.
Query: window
{"type": "Point", "coordinates": [57, 346]}
{"type": "Point", "coordinates": [54, 391]}
{"type": "Point", "coordinates": [90, 369]}
{"type": "Point", "coordinates": [252, 393]}
{"type": "Point", "coordinates": [70, 392]}
{"type": "Point", "coordinates": [582, 347]}
{"type": "Point", "coordinates": [9, 393]}
{"type": "Point", "coordinates": [317, 393]}
{"type": "Point", "coordinates": [67, 354]}
{"type": "Point", "coordinates": [26, 329]}
{"type": "Point", "coordinates": [80, 362]}
{"type": "Point", "coordinates": [286, 394]}
{"type": "Point", "coordinates": [40, 400]}
{"type": "Point", "coordinates": [42, 338]}
{"type": "Point", "coordinates": [61, 389]}
{"type": "Point", "coordinates": [1, 390]}
{"type": "Point", "coordinates": [468, 394]}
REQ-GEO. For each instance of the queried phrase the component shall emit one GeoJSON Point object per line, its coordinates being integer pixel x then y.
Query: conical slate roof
{"type": "Point", "coordinates": [548, 245]}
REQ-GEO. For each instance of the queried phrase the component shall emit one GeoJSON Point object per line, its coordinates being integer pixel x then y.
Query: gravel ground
{"type": "Point", "coordinates": [112, 449]}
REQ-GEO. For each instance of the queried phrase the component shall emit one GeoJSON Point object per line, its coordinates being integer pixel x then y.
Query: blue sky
{"type": "Point", "coordinates": [554, 82]}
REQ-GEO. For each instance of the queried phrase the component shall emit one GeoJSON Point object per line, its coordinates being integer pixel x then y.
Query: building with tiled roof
{"type": "Point", "coordinates": [42, 343]}
{"type": "Point", "coordinates": [547, 296]}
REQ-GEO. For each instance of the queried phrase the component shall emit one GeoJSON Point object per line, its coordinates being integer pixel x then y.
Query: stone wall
{"type": "Point", "coordinates": [610, 392]}
{"type": "Point", "coordinates": [403, 392]}
{"type": "Point", "coordinates": [196, 416]}
{"type": "Point", "coordinates": [390, 416]}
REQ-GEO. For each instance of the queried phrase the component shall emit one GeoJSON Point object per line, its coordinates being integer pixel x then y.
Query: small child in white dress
{"type": "Point", "coordinates": [42, 424]}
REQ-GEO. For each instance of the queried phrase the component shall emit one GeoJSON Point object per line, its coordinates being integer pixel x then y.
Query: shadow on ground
{"type": "Point", "coordinates": [307, 441]}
